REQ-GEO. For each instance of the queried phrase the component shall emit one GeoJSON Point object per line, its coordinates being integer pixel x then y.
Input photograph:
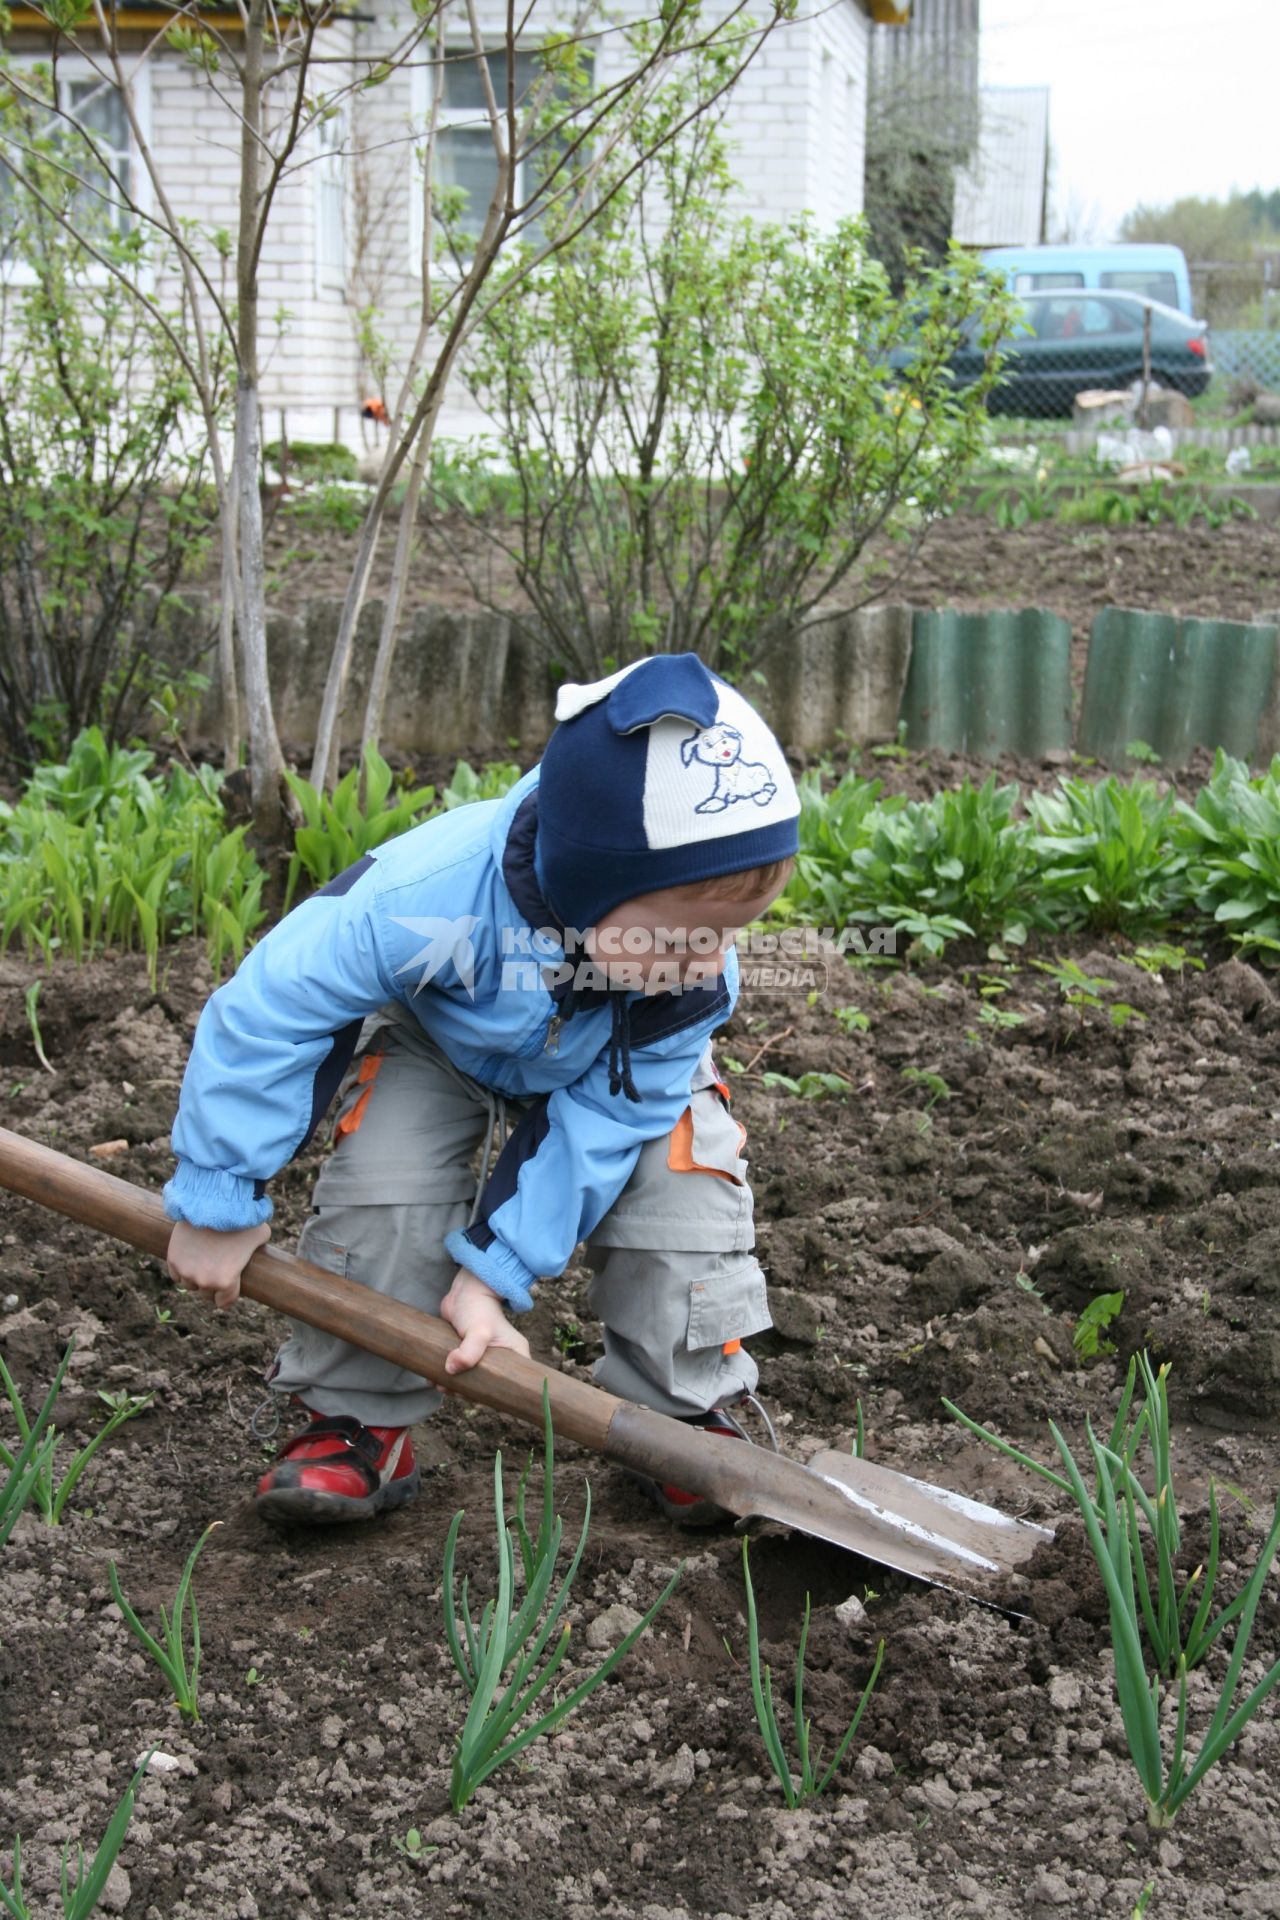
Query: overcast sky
{"type": "Point", "coordinates": [1149, 99]}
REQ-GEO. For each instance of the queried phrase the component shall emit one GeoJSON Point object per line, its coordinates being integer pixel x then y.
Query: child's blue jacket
{"type": "Point", "coordinates": [441, 919]}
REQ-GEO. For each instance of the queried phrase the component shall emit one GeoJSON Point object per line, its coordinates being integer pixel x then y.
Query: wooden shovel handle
{"type": "Point", "coordinates": [418, 1341]}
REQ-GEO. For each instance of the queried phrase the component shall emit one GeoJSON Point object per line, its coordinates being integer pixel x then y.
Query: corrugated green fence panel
{"type": "Point", "coordinates": [1174, 684]}
{"type": "Point", "coordinates": [989, 683]}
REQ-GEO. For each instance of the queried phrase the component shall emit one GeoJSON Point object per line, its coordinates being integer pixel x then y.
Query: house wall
{"type": "Point", "coordinates": [309, 360]}
{"type": "Point", "coordinates": [795, 122]}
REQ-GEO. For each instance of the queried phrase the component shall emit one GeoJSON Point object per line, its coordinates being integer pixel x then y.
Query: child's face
{"type": "Point", "coordinates": [679, 934]}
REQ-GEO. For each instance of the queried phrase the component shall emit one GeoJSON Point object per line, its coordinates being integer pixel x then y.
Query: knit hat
{"type": "Point", "coordinates": [661, 775]}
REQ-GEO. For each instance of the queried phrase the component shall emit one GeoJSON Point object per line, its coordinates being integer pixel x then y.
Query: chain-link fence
{"type": "Point", "coordinates": [1077, 340]}
{"type": "Point", "coordinates": [1243, 354]}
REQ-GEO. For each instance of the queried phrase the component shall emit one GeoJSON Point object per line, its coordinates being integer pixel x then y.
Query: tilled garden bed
{"type": "Point", "coordinates": [1070, 1157]}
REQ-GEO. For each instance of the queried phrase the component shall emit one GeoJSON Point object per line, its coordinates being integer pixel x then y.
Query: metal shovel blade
{"type": "Point", "coordinates": [930, 1532]}
{"type": "Point", "coordinates": [891, 1518]}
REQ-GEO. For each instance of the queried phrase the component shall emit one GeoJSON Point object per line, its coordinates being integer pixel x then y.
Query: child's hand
{"type": "Point", "coordinates": [475, 1311]}
{"type": "Point", "coordinates": [203, 1260]}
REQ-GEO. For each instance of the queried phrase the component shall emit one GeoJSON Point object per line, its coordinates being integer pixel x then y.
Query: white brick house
{"type": "Point", "coordinates": [345, 236]}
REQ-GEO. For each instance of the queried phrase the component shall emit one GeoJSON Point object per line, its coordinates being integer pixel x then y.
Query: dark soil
{"type": "Point", "coordinates": [907, 1261]}
{"type": "Point", "coordinates": [1231, 572]}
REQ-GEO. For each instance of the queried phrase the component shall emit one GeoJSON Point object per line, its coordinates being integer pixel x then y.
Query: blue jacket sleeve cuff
{"type": "Point", "coordinates": [495, 1264]}
{"type": "Point", "coordinates": [206, 1198]}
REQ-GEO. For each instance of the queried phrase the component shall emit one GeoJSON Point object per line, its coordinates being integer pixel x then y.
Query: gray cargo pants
{"type": "Point", "coordinates": [675, 1284]}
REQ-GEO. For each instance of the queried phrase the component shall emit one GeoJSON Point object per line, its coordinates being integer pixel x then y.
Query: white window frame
{"type": "Point", "coordinates": [329, 189]}
{"type": "Point", "coordinates": [421, 80]}
{"type": "Point", "coordinates": [72, 69]}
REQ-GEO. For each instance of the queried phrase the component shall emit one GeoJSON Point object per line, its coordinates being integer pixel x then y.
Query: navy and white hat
{"type": "Point", "coordinates": [661, 775]}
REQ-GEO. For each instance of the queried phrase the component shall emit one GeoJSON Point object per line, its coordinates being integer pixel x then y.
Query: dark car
{"type": "Point", "coordinates": [1075, 339]}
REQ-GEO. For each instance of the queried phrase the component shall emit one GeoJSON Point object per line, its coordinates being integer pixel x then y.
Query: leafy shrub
{"type": "Point", "coordinates": [708, 421]}
{"type": "Point", "coordinates": [101, 852]}
{"type": "Point", "coordinates": [959, 863]}
{"type": "Point", "coordinates": [341, 829]}
{"type": "Point", "coordinates": [104, 501]}
{"type": "Point", "coordinates": [313, 459]}
{"type": "Point", "coordinates": [1107, 853]}
{"type": "Point", "coordinates": [1231, 842]}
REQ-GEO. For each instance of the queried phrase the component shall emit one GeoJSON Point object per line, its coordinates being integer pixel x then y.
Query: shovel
{"type": "Point", "coordinates": [887, 1517]}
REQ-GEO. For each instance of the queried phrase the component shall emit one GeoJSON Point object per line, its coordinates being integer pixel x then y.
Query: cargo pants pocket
{"type": "Point", "coordinates": [727, 1304]}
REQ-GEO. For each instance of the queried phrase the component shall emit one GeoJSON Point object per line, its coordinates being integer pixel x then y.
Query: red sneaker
{"type": "Point", "coordinates": [335, 1469]}
{"type": "Point", "coordinates": [691, 1509]}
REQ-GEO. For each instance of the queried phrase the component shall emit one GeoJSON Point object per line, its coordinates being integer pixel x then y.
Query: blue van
{"type": "Point", "coordinates": [1153, 272]}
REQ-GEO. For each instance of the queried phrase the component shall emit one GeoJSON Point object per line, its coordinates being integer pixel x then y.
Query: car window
{"type": "Point", "coordinates": [1046, 282]}
{"type": "Point", "coordinates": [1153, 286]}
{"type": "Point", "coordinates": [1082, 317]}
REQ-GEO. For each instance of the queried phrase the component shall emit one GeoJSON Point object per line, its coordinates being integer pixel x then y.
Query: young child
{"type": "Point", "coordinates": [559, 957]}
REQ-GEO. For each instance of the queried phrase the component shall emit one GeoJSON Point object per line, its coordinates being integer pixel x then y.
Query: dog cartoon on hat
{"type": "Point", "coordinates": [720, 747]}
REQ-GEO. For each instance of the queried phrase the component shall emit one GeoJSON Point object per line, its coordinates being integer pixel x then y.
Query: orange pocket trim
{"type": "Point", "coordinates": [350, 1122]}
{"type": "Point", "coordinates": [680, 1153]}
{"type": "Point", "coordinates": [732, 1346]}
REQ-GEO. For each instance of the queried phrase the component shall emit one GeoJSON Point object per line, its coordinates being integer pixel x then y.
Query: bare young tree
{"type": "Point", "coordinates": [276, 74]}
{"type": "Point", "coordinates": [562, 153]}
{"type": "Point", "coordinates": [277, 71]}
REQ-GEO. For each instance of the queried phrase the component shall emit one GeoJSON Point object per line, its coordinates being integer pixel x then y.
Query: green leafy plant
{"type": "Point", "coordinates": [1231, 838]}
{"type": "Point", "coordinates": [502, 1658]}
{"type": "Point", "coordinates": [812, 1781]}
{"type": "Point", "coordinates": [413, 1846]}
{"type": "Point", "coordinates": [1093, 1322]}
{"type": "Point", "coordinates": [936, 1087]}
{"type": "Point", "coordinates": [328, 507]}
{"type": "Point", "coordinates": [81, 1893]}
{"type": "Point", "coordinates": [852, 1019]}
{"type": "Point", "coordinates": [51, 1495]}
{"type": "Point", "coordinates": [1162, 958]}
{"type": "Point", "coordinates": [170, 1654]}
{"type": "Point", "coordinates": [895, 749]}
{"type": "Point", "coordinates": [1107, 854]}
{"type": "Point", "coordinates": [1078, 988]}
{"type": "Point", "coordinates": [1019, 503]}
{"type": "Point", "coordinates": [1177, 1615]}
{"type": "Point", "coordinates": [494, 779]}
{"type": "Point", "coordinates": [808, 1086]}
{"type": "Point", "coordinates": [312, 459]}
{"type": "Point", "coordinates": [1001, 1017]}
{"type": "Point", "coordinates": [101, 852]}
{"type": "Point", "coordinates": [340, 829]}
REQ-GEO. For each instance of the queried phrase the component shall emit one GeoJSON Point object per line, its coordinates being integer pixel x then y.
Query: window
{"type": "Point", "coordinates": [330, 202]}
{"type": "Point", "coordinates": [465, 158]}
{"type": "Point", "coordinates": [1046, 282]}
{"type": "Point", "coordinates": [1152, 286]}
{"type": "Point", "coordinates": [90, 135]}
{"type": "Point", "coordinates": [1069, 319]}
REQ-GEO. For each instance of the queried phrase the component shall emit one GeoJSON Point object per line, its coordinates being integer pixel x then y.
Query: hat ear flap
{"type": "Point", "coordinates": [676, 684]}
